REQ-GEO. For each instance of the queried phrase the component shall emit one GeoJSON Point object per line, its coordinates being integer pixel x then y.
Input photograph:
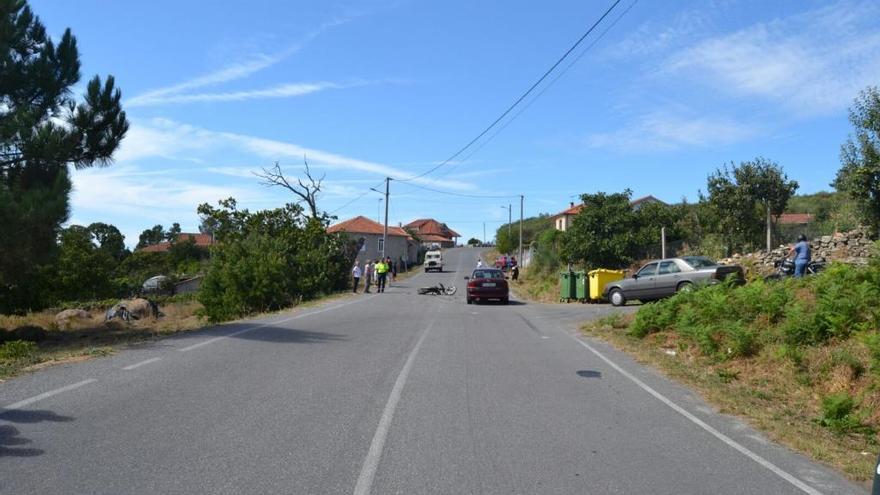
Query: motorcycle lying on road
{"type": "Point", "coordinates": [785, 269]}
{"type": "Point", "coordinates": [437, 290]}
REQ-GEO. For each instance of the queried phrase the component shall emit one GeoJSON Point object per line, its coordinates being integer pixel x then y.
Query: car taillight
{"type": "Point", "coordinates": [473, 283]}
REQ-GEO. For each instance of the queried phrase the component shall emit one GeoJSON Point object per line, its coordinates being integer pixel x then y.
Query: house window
{"type": "Point", "coordinates": [381, 246]}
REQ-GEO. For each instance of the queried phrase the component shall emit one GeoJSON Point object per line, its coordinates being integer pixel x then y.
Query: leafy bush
{"type": "Point", "coordinates": [728, 321]}
{"type": "Point", "coordinates": [839, 414]}
{"type": "Point", "coordinates": [268, 260]}
{"type": "Point", "coordinates": [654, 317]}
{"type": "Point", "coordinates": [17, 349]}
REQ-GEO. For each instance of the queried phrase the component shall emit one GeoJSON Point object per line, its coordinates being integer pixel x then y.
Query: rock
{"type": "Point", "coordinates": [65, 318]}
{"type": "Point", "coordinates": [135, 309]}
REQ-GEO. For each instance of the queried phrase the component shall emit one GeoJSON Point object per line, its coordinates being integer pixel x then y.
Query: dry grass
{"type": "Point", "coordinates": [777, 395]}
{"type": "Point", "coordinates": [86, 338]}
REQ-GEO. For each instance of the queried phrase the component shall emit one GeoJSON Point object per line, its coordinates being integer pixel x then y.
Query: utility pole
{"type": "Point", "coordinates": [521, 200]}
{"type": "Point", "coordinates": [484, 232]}
{"type": "Point", "coordinates": [385, 229]}
{"type": "Point", "coordinates": [662, 242]}
{"type": "Point", "coordinates": [769, 230]}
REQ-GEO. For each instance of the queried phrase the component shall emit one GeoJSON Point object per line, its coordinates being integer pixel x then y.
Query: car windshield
{"type": "Point", "coordinates": [698, 262]}
{"type": "Point", "coordinates": [488, 274]}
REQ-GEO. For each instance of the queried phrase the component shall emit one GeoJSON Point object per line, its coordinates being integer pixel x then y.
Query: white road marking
{"type": "Point", "coordinates": [697, 421]}
{"type": "Point", "coordinates": [275, 322]}
{"type": "Point", "coordinates": [138, 365]}
{"type": "Point", "coordinates": [46, 395]}
{"type": "Point", "coordinates": [371, 462]}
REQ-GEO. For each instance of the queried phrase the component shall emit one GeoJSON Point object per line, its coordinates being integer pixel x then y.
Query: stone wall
{"type": "Point", "coordinates": [854, 247]}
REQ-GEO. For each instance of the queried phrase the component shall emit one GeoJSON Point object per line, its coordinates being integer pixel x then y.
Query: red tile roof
{"type": "Point", "coordinates": [201, 240]}
{"type": "Point", "coordinates": [429, 226]}
{"type": "Point", "coordinates": [794, 218]}
{"type": "Point", "coordinates": [363, 225]}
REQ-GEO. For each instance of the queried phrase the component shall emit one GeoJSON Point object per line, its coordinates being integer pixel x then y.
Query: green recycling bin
{"type": "Point", "coordinates": [580, 286]}
{"type": "Point", "coordinates": [567, 288]}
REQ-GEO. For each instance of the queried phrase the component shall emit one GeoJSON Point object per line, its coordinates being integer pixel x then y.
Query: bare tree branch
{"type": "Point", "coordinates": [307, 191]}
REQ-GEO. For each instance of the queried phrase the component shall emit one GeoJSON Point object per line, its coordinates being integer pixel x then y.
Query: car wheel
{"type": "Point", "coordinates": [617, 298]}
{"type": "Point", "coordinates": [505, 301]}
{"type": "Point", "coordinates": [469, 301]}
{"type": "Point", "coordinates": [684, 287]}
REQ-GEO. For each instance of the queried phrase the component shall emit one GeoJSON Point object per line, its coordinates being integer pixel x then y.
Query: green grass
{"type": "Point", "coordinates": [799, 358]}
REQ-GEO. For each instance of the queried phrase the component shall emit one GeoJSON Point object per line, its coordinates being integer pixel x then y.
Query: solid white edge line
{"type": "Point", "coordinates": [274, 322]}
{"type": "Point", "coordinates": [371, 461]}
{"type": "Point", "coordinates": [138, 365]}
{"type": "Point", "coordinates": [697, 421]}
{"type": "Point", "coordinates": [46, 395]}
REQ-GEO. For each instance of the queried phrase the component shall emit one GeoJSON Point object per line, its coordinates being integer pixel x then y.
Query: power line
{"type": "Point", "coordinates": [541, 93]}
{"type": "Point", "coordinates": [518, 100]}
{"type": "Point", "coordinates": [463, 195]}
{"type": "Point", "coordinates": [356, 198]}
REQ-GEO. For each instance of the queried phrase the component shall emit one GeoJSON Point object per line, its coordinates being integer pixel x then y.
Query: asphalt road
{"type": "Point", "coordinates": [384, 393]}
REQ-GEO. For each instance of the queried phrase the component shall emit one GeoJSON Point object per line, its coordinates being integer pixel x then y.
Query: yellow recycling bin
{"type": "Point", "coordinates": [600, 277]}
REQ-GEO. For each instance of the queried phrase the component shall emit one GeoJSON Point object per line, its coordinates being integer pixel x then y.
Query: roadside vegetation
{"type": "Point", "coordinates": [35, 340]}
{"type": "Point", "coordinates": [799, 358]}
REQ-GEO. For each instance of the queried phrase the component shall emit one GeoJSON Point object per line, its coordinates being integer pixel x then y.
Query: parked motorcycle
{"type": "Point", "coordinates": [437, 290]}
{"type": "Point", "coordinates": [785, 269]}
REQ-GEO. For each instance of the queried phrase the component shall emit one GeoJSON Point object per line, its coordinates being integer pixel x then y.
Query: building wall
{"type": "Point", "coordinates": [563, 222]}
{"type": "Point", "coordinates": [398, 248]}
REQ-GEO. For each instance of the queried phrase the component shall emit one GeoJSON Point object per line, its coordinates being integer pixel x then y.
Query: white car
{"type": "Point", "coordinates": [433, 261]}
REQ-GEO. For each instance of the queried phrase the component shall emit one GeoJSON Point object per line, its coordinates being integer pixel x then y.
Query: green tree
{"type": "Point", "coordinates": [604, 234]}
{"type": "Point", "coordinates": [110, 240]}
{"type": "Point", "coordinates": [173, 233]}
{"type": "Point", "coordinates": [473, 241]}
{"type": "Point", "coordinates": [269, 259]}
{"type": "Point", "coordinates": [152, 236]}
{"type": "Point", "coordinates": [83, 270]}
{"type": "Point", "coordinates": [43, 130]}
{"type": "Point", "coordinates": [859, 175]}
{"type": "Point", "coordinates": [746, 197]}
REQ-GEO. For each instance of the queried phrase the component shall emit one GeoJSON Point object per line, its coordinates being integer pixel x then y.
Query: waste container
{"type": "Point", "coordinates": [566, 286]}
{"type": "Point", "coordinates": [599, 278]}
{"type": "Point", "coordinates": [580, 286]}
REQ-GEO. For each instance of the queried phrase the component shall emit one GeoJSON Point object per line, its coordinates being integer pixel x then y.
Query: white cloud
{"type": "Point", "coordinates": [256, 62]}
{"type": "Point", "coordinates": [665, 131]}
{"type": "Point", "coordinates": [810, 63]}
{"type": "Point", "coordinates": [279, 91]}
{"type": "Point", "coordinates": [169, 139]}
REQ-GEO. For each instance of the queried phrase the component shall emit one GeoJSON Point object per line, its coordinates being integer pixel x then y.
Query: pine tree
{"type": "Point", "coordinates": [43, 130]}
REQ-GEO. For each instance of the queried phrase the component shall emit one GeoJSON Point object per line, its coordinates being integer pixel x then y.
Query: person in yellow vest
{"type": "Point", "coordinates": [382, 272]}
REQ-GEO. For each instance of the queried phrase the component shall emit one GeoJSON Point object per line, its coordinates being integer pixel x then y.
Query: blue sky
{"type": "Point", "coordinates": [672, 91]}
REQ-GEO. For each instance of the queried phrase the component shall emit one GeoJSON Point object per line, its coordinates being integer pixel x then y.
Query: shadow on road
{"type": "Point", "coordinates": [589, 374]}
{"type": "Point", "coordinates": [11, 441]}
{"type": "Point", "coordinates": [289, 336]}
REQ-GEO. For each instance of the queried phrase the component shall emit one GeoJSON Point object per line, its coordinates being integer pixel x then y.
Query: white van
{"type": "Point", "coordinates": [433, 261]}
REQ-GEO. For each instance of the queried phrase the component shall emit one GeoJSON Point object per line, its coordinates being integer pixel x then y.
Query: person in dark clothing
{"type": "Point", "coordinates": [801, 252]}
{"type": "Point", "coordinates": [514, 273]}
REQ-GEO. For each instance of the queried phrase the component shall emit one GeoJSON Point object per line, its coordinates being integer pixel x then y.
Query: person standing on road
{"type": "Point", "coordinates": [514, 273]}
{"type": "Point", "coordinates": [801, 250]}
{"type": "Point", "coordinates": [382, 274]}
{"type": "Point", "coordinates": [356, 276]}
{"type": "Point", "coordinates": [479, 262]}
{"type": "Point", "coordinates": [393, 269]}
{"type": "Point", "coordinates": [369, 268]}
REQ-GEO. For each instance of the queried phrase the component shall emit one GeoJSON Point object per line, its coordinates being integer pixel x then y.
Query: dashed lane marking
{"type": "Point", "coordinates": [46, 395]}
